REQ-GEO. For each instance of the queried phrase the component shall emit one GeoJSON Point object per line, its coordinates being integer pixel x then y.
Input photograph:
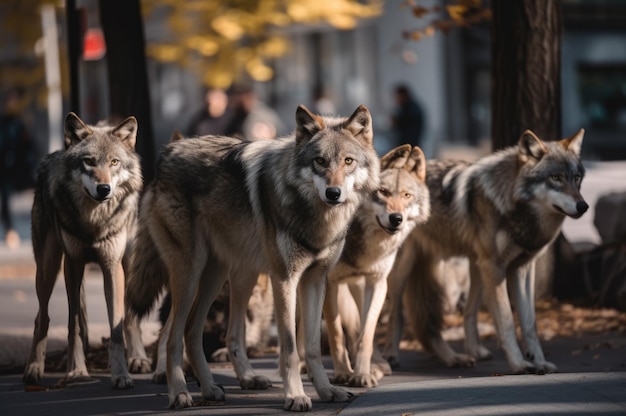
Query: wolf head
{"type": "Point", "coordinates": [552, 173]}
{"type": "Point", "coordinates": [102, 157]}
{"type": "Point", "coordinates": [402, 197]}
{"type": "Point", "coordinates": [337, 154]}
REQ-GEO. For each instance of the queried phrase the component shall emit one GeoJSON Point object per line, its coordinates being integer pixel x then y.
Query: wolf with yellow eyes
{"type": "Point", "coordinates": [84, 211]}
{"type": "Point", "coordinates": [500, 212]}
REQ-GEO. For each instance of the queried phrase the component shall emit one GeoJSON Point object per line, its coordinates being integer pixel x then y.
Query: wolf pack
{"type": "Point", "coordinates": [337, 232]}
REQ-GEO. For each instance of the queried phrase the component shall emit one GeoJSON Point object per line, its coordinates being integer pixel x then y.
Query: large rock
{"type": "Point", "coordinates": [610, 221]}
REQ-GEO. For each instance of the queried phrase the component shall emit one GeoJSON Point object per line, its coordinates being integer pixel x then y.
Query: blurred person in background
{"type": "Point", "coordinates": [17, 161]}
{"type": "Point", "coordinates": [252, 119]}
{"type": "Point", "coordinates": [214, 116]}
{"type": "Point", "coordinates": [407, 119]}
{"type": "Point", "coordinates": [322, 103]}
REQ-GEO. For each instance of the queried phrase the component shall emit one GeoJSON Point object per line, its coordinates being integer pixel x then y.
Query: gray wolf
{"type": "Point", "coordinates": [84, 211]}
{"type": "Point", "coordinates": [258, 318]}
{"type": "Point", "coordinates": [374, 237]}
{"type": "Point", "coordinates": [501, 213]}
{"type": "Point", "coordinates": [224, 208]}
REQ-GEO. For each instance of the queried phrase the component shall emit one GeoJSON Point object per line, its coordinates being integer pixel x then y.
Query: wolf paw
{"type": "Point", "coordinates": [159, 377]}
{"type": "Point", "coordinates": [363, 380]}
{"type": "Point", "coordinates": [139, 365]}
{"type": "Point", "coordinates": [525, 367]}
{"type": "Point", "coordinates": [393, 361]}
{"type": "Point", "coordinates": [340, 377]}
{"type": "Point", "coordinates": [335, 394]}
{"type": "Point", "coordinates": [462, 361]}
{"type": "Point", "coordinates": [182, 400]}
{"type": "Point", "coordinates": [220, 356]}
{"type": "Point", "coordinates": [480, 353]}
{"type": "Point", "coordinates": [298, 404]}
{"type": "Point", "coordinates": [381, 367]}
{"type": "Point", "coordinates": [546, 368]}
{"type": "Point", "coordinates": [214, 393]}
{"type": "Point", "coordinates": [255, 383]}
{"type": "Point", "coordinates": [122, 382]}
{"type": "Point", "coordinates": [33, 374]}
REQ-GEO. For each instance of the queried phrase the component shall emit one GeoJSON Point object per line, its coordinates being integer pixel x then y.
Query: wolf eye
{"type": "Point", "coordinates": [384, 192]}
{"type": "Point", "coordinates": [348, 161]}
{"type": "Point", "coordinates": [115, 162]}
{"type": "Point", "coordinates": [407, 195]}
{"type": "Point", "coordinates": [555, 178]}
{"type": "Point", "coordinates": [319, 160]}
{"type": "Point", "coordinates": [89, 161]}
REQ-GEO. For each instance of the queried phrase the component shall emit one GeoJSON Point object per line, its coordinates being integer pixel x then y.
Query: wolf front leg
{"type": "Point", "coordinates": [336, 340]}
{"type": "Point", "coordinates": [522, 287]}
{"type": "Point", "coordinates": [311, 292]}
{"type": "Point", "coordinates": [241, 287]}
{"type": "Point", "coordinates": [185, 270]}
{"type": "Point", "coordinates": [76, 366]}
{"type": "Point", "coordinates": [284, 290]}
{"type": "Point", "coordinates": [497, 299]}
{"type": "Point", "coordinates": [473, 346]}
{"type": "Point", "coordinates": [375, 293]}
{"type": "Point", "coordinates": [396, 281]}
{"type": "Point", "coordinates": [137, 359]}
{"type": "Point", "coordinates": [114, 294]}
{"type": "Point", "coordinates": [48, 264]}
{"type": "Point", "coordinates": [213, 277]}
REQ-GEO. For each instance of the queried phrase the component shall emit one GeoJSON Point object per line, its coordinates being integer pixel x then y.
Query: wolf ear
{"type": "Point", "coordinates": [395, 158]}
{"type": "Point", "coordinates": [176, 136]}
{"type": "Point", "coordinates": [574, 143]}
{"type": "Point", "coordinates": [127, 132]}
{"type": "Point", "coordinates": [307, 124]}
{"type": "Point", "coordinates": [530, 147]}
{"type": "Point", "coordinates": [360, 125]}
{"type": "Point", "coordinates": [75, 130]}
{"type": "Point", "coordinates": [416, 163]}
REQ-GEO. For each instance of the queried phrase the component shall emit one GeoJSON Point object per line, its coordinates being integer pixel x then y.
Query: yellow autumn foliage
{"type": "Point", "coordinates": [226, 40]}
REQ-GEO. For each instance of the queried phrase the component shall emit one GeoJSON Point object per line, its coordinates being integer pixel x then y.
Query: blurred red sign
{"type": "Point", "coordinates": [94, 46]}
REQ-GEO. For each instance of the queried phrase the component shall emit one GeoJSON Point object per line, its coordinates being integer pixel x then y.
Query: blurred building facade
{"type": "Point", "coordinates": [450, 74]}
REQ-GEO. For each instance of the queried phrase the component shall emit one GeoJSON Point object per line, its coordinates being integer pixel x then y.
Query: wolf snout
{"type": "Point", "coordinates": [395, 219]}
{"type": "Point", "coordinates": [103, 190]}
{"type": "Point", "coordinates": [333, 193]}
{"type": "Point", "coordinates": [581, 207]}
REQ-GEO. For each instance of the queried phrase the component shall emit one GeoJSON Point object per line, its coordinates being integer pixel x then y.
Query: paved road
{"type": "Point", "coordinates": [592, 381]}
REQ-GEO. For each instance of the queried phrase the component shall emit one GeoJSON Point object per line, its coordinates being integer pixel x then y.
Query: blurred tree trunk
{"type": "Point", "coordinates": [74, 51]}
{"type": "Point", "coordinates": [526, 70]}
{"type": "Point", "coordinates": [129, 91]}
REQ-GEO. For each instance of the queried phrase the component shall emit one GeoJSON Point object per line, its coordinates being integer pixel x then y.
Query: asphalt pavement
{"type": "Point", "coordinates": [591, 381]}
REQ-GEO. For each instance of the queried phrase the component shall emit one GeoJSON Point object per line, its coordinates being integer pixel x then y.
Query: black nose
{"type": "Point", "coordinates": [103, 190]}
{"type": "Point", "coordinates": [395, 219]}
{"type": "Point", "coordinates": [333, 193]}
{"type": "Point", "coordinates": [582, 207]}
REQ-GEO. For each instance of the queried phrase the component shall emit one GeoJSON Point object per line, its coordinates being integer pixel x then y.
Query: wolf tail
{"type": "Point", "coordinates": [424, 300]}
{"type": "Point", "coordinates": [148, 274]}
